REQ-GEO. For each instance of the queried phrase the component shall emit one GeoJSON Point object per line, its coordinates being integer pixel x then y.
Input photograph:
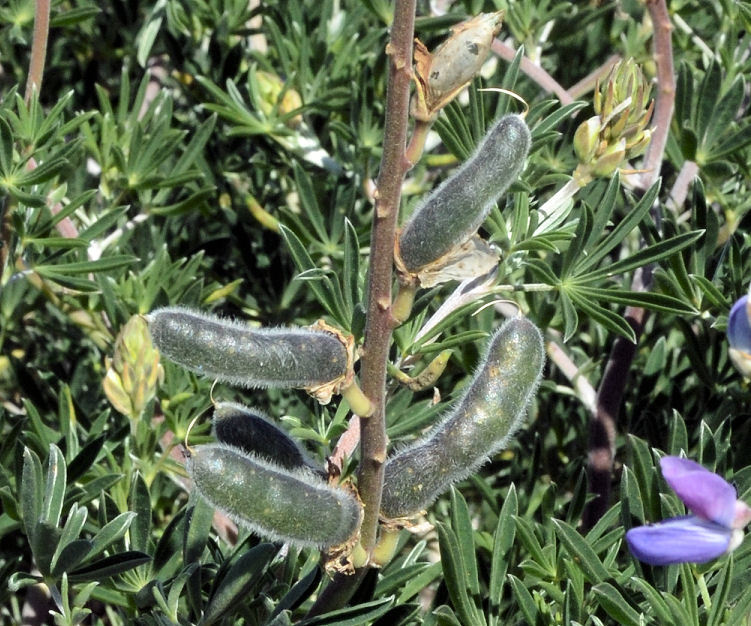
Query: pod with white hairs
{"type": "Point", "coordinates": [480, 424]}
{"type": "Point", "coordinates": [232, 352]}
{"type": "Point", "coordinates": [254, 432]}
{"type": "Point", "coordinates": [293, 506]}
{"type": "Point", "coordinates": [456, 209]}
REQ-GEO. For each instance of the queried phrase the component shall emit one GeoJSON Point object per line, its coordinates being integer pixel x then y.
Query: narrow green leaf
{"type": "Point", "coordinates": [32, 493]}
{"type": "Point", "coordinates": [612, 321]}
{"type": "Point", "coordinates": [503, 540]}
{"type": "Point", "coordinates": [140, 503]}
{"type": "Point", "coordinates": [72, 282]}
{"type": "Point", "coordinates": [54, 490]}
{"type": "Point", "coordinates": [109, 566]}
{"type": "Point", "coordinates": [365, 613]}
{"type": "Point", "coordinates": [677, 435]}
{"type": "Point", "coordinates": [720, 595]}
{"type": "Point", "coordinates": [238, 582]}
{"type": "Point", "coordinates": [690, 595]}
{"type": "Point", "coordinates": [624, 227]}
{"type": "Point", "coordinates": [524, 600]}
{"type": "Point", "coordinates": [709, 92]}
{"type": "Point", "coordinates": [583, 228]}
{"type": "Point", "coordinates": [197, 528]}
{"type": "Point", "coordinates": [655, 600]}
{"type": "Point", "coordinates": [351, 267]}
{"type": "Point", "coordinates": [648, 300]}
{"type": "Point", "coordinates": [70, 556]}
{"type": "Point", "coordinates": [631, 500]}
{"type": "Point", "coordinates": [105, 264]}
{"type": "Point", "coordinates": [309, 202]}
{"type": "Point", "coordinates": [455, 577]}
{"type": "Point", "coordinates": [6, 148]}
{"type": "Point", "coordinates": [420, 582]}
{"type": "Point", "coordinates": [111, 532]}
{"type": "Point", "coordinates": [462, 526]}
{"type": "Point", "coordinates": [71, 531]}
{"type": "Point", "coordinates": [616, 606]}
{"type": "Point", "coordinates": [581, 552]}
{"type": "Point", "coordinates": [715, 297]}
{"type": "Point", "coordinates": [570, 316]}
{"type": "Point", "coordinates": [73, 16]}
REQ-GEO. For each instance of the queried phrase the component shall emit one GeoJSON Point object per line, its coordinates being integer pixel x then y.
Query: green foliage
{"type": "Point", "coordinates": [220, 155]}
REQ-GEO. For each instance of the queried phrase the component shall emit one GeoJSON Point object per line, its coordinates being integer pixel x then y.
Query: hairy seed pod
{"type": "Point", "coordinates": [454, 211]}
{"type": "Point", "coordinates": [480, 424]}
{"type": "Point", "coordinates": [235, 353]}
{"type": "Point", "coordinates": [253, 432]}
{"type": "Point", "coordinates": [293, 506]}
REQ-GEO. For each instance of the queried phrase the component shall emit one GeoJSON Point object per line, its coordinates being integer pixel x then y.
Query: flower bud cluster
{"type": "Point", "coordinates": [618, 131]}
{"type": "Point", "coordinates": [134, 370]}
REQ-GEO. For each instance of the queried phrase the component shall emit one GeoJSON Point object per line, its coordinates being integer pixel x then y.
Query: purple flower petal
{"type": "Point", "coordinates": [739, 326]}
{"type": "Point", "coordinates": [706, 494]}
{"type": "Point", "coordinates": [679, 540]}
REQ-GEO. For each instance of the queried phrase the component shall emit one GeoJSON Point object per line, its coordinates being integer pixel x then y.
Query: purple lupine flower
{"type": "Point", "coordinates": [714, 528]}
{"type": "Point", "coordinates": [739, 336]}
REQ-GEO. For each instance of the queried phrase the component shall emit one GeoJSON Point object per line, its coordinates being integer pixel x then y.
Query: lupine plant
{"type": "Point", "coordinates": [372, 312]}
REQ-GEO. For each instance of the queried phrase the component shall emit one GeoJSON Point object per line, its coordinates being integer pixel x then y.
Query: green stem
{"type": "Point", "coordinates": [38, 48]}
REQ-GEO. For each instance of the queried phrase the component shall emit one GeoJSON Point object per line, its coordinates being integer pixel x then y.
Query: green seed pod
{"type": "Point", "coordinates": [454, 211]}
{"type": "Point", "coordinates": [235, 353]}
{"type": "Point", "coordinates": [293, 506]}
{"type": "Point", "coordinates": [480, 424]}
{"type": "Point", "coordinates": [253, 432]}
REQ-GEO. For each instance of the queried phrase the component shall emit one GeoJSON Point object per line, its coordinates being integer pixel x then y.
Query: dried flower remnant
{"type": "Point", "coordinates": [442, 75]}
{"type": "Point", "coordinates": [714, 529]}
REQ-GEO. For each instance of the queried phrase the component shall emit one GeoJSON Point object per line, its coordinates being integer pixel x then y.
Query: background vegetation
{"type": "Point", "coordinates": [221, 155]}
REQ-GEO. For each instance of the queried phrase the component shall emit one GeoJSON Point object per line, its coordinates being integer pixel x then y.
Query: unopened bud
{"type": "Point", "coordinates": [134, 371]}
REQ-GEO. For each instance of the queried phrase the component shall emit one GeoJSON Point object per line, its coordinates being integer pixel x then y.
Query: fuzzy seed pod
{"type": "Point", "coordinates": [480, 424]}
{"type": "Point", "coordinates": [454, 211]}
{"type": "Point", "coordinates": [253, 432]}
{"type": "Point", "coordinates": [293, 506]}
{"type": "Point", "coordinates": [235, 353]}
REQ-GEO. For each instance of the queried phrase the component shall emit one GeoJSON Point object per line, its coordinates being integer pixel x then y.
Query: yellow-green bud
{"type": "Point", "coordinates": [587, 139]}
{"type": "Point", "coordinates": [134, 371]}
{"type": "Point", "coordinates": [610, 160]}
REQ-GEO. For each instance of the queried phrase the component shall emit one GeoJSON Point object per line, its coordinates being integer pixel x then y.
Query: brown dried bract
{"type": "Point", "coordinates": [440, 76]}
{"type": "Point", "coordinates": [323, 392]}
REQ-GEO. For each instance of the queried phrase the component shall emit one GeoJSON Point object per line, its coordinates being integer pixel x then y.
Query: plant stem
{"type": "Point", "coordinates": [38, 48]}
{"type": "Point", "coordinates": [379, 322]}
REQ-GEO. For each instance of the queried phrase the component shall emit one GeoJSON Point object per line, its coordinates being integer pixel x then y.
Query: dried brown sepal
{"type": "Point", "coordinates": [323, 392]}
{"type": "Point", "coordinates": [440, 76]}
